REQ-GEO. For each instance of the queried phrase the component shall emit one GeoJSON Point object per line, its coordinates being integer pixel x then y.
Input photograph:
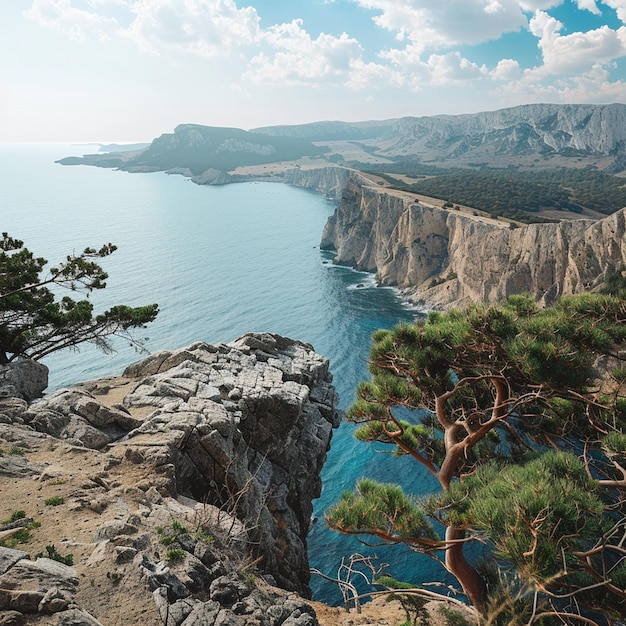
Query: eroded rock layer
{"type": "Point", "coordinates": [226, 441]}
{"type": "Point", "coordinates": [446, 257]}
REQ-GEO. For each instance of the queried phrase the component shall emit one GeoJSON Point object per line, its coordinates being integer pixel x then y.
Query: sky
{"type": "Point", "coordinates": [130, 70]}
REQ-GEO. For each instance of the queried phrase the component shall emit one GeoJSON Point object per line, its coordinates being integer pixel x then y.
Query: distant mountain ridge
{"type": "Point", "coordinates": [534, 130]}
{"type": "Point", "coordinates": [195, 149]}
{"type": "Point", "coordinates": [527, 136]}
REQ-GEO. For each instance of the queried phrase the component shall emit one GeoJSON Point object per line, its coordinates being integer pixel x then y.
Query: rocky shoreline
{"type": "Point", "coordinates": [216, 448]}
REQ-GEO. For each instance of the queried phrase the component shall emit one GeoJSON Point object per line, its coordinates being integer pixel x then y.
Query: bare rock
{"type": "Point", "coordinates": [12, 618]}
{"type": "Point", "coordinates": [9, 557]}
{"type": "Point", "coordinates": [447, 258]}
{"type": "Point", "coordinates": [263, 451]}
{"type": "Point", "coordinates": [76, 617]}
{"type": "Point", "coordinates": [23, 378]}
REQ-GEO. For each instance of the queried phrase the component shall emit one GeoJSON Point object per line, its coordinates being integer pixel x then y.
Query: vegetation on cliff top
{"type": "Point", "coordinates": [34, 321]}
{"type": "Point", "coordinates": [508, 411]}
{"type": "Point", "coordinates": [515, 193]}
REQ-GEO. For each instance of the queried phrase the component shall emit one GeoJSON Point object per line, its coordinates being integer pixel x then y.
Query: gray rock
{"type": "Point", "coordinates": [244, 425]}
{"type": "Point", "coordinates": [76, 617]}
{"type": "Point", "coordinates": [158, 576]}
{"type": "Point", "coordinates": [175, 613]}
{"type": "Point", "coordinates": [124, 554]}
{"type": "Point", "coordinates": [203, 614]}
{"type": "Point", "coordinates": [53, 601]}
{"type": "Point", "coordinates": [9, 557]}
{"type": "Point", "coordinates": [40, 574]}
{"type": "Point", "coordinates": [12, 409]}
{"type": "Point", "coordinates": [228, 589]}
{"type": "Point", "coordinates": [23, 378]}
{"type": "Point", "coordinates": [113, 528]}
{"type": "Point", "coordinates": [12, 618]}
{"type": "Point", "coordinates": [204, 552]}
{"type": "Point", "coordinates": [195, 575]}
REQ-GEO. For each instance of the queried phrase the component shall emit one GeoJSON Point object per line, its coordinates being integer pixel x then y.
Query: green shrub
{"type": "Point", "coordinates": [175, 554]}
{"type": "Point", "coordinates": [52, 553]}
{"type": "Point", "coordinates": [54, 501]}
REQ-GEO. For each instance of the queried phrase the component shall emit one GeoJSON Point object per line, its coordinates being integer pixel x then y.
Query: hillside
{"type": "Point", "coordinates": [532, 163]}
{"type": "Point", "coordinates": [544, 134]}
{"type": "Point", "coordinates": [194, 149]}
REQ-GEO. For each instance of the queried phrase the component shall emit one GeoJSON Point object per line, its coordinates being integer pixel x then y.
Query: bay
{"type": "Point", "coordinates": [220, 261]}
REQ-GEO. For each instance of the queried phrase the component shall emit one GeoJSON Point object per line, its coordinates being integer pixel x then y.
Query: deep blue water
{"type": "Point", "coordinates": [220, 261]}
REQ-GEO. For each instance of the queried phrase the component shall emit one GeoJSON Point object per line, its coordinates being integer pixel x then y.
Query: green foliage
{"type": "Point", "coordinates": [34, 323]}
{"type": "Point", "coordinates": [13, 451]}
{"type": "Point", "coordinates": [203, 535]}
{"type": "Point", "coordinates": [615, 442]}
{"type": "Point", "coordinates": [453, 618]}
{"type": "Point", "coordinates": [175, 554]}
{"type": "Point", "coordinates": [536, 513]}
{"type": "Point", "coordinates": [380, 509]}
{"type": "Point", "coordinates": [54, 501]}
{"type": "Point", "coordinates": [168, 535]}
{"type": "Point", "coordinates": [21, 534]}
{"type": "Point", "coordinates": [520, 194]}
{"type": "Point", "coordinates": [15, 516]}
{"type": "Point", "coordinates": [503, 393]}
{"type": "Point", "coordinates": [615, 284]}
{"type": "Point", "coordinates": [179, 528]}
{"type": "Point", "coordinates": [167, 540]}
{"type": "Point", "coordinates": [52, 553]}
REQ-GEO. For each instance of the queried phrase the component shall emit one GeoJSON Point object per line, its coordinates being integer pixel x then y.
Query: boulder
{"type": "Point", "coordinates": [23, 378]}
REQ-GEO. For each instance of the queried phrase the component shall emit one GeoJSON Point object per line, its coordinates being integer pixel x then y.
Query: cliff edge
{"type": "Point", "coordinates": [170, 486]}
{"type": "Point", "coordinates": [445, 257]}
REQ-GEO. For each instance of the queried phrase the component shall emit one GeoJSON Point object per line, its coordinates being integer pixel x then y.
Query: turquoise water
{"type": "Point", "coordinates": [220, 261]}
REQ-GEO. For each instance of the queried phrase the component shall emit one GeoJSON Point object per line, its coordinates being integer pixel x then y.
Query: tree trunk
{"type": "Point", "coordinates": [456, 563]}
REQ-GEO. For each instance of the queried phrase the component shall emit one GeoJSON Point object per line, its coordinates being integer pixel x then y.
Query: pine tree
{"type": "Point", "coordinates": [519, 413]}
{"type": "Point", "coordinates": [34, 322]}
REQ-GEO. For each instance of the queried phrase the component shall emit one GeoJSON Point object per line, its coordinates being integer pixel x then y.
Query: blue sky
{"type": "Point", "coordinates": [129, 70]}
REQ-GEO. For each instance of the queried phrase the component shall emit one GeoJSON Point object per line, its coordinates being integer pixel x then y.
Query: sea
{"type": "Point", "coordinates": [220, 261]}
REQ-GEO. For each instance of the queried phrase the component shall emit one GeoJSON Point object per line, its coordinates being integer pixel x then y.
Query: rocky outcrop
{"type": "Point", "coordinates": [23, 378]}
{"type": "Point", "coordinates": [331, 180]}
{"type": "Point", "coordinates": [228, 439]}
{"type": "Point", "coordinates": [40, 589]}
{"type": "Point", "coordinates": [245, 426]}
{"type": "Point", "coordinates": [596, 133]}
{"type": "Point", "coordinates": [445, 257]}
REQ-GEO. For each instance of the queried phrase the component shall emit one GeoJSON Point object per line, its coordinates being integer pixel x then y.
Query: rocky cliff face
{"type": "Point", "coordinates": [330, 181]}
{"type": "Point", "coordinates": [596, 133]}
{"type": "Point", "coordinates": [226, 440]}
{"type": "Point", "coordinates": [445, 257]}
{"type": "Point", "coordinates": [521, 130]}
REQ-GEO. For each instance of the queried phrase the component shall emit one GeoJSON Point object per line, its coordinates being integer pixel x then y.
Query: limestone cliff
{"type": "Point", "coordinates": [227, 441]}
{"type": "Point", "coordinates": [446, 257]}
{"type": "Point", "coordinates": [330, 181]}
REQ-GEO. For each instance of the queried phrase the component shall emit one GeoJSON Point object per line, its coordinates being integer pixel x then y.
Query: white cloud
{"type": "Point", "coordinates": [446, 69]}
{"type": "Point", "coordinates": [592, 87]}
{"type": "Point", "coordinates": [539, 5]}
{"type": "Point", "coordinates": [206, 28]}
{"type": "Point", "coordinates": [619, 6]}
{"type": "Point", "coordinates": [203, 27]}
{"type": "Point", "coordinates": [588, 5]}
{"type": "Point", "coordinates": [506, 70]}
{"type": "Point", "coordinates": [434, 25]}
{"type": "Point", "coordinates": [578, 51]}
{"type": "Point", "coordinates": [292, 56]}
{"type": "Point", "coordinates": [78, 24]}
